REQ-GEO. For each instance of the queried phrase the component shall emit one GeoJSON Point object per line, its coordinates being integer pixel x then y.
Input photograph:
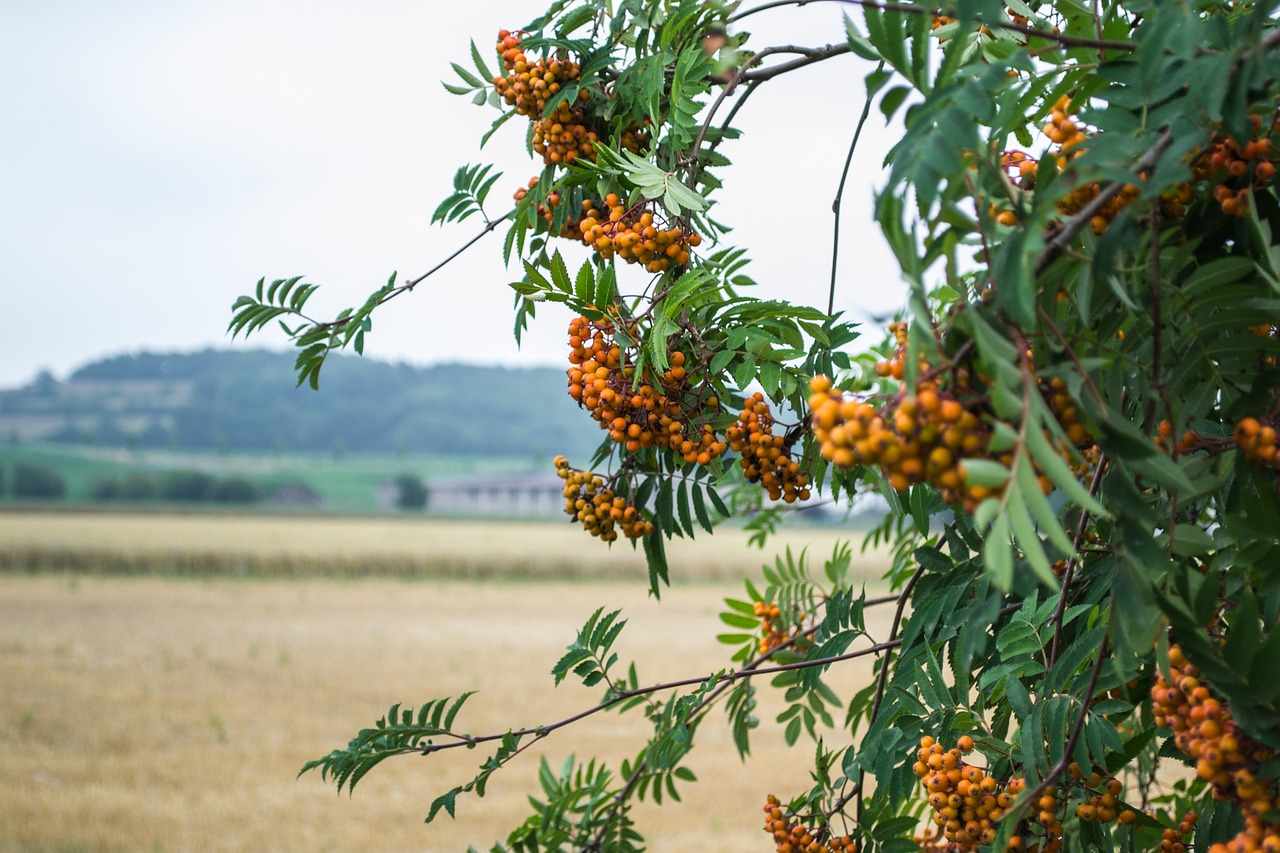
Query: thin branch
{"type": "Point", "coordinates": [906, 8]}
{"type": "Point", "coordinates": [1069, 574]}
{"type": "Point", "coordinates": [1097, 27]}
{"type": "Point", "coordinates": [882, 683]}
{"type": "Point", "coordinates": [467, 245]}
{"type": "Point", "coordinates": [335, 325]}
{"type": "Point", "coordinates": [764, 7]}
{"type": "Point", "coordinates": [1064, 762]}
{"type": "Point", "coordinates": [473, 740]}
{"type": "Point", "coordinates": [1062, 236]}
{"type": "Point", "coordinates": [741, 74]}
{"type": "Point", "coordinates": [835, 205]}
{"type": "Point", "coordinates": [817, 55]}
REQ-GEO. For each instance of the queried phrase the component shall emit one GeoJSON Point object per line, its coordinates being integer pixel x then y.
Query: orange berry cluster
{"type": "Point", "coordinates": [644, 415]}
{"type": "Point", "coordinates": [1103, 804]}
{"type": "Point", "coordinates": [633, 235]}
{"type": "Point", "coordinates": [1190, 440]}
{"type": "Point", "coordinates": [920, 438]}
{"type": "Point", "coordinates": [563, 136]}
{"type": "Point", "coordinates": [1082, 453]}
{"type": "Point", "coordinates": [601, 512]}
{"type": "Point", "coordinates": [1227, 758]}
{"type": "Point", "coordinates": [797, 838]}
{"type": "Point", "coordinates": [570, 228]}
{"type": "Point", "coordinates": [1241, 169]}
{"type": "Point", "coordinates": [766, 458]}
{"type": "Point", "coordinates": [1067, 134]}
{"type": "Point", "coordinates": [772, 635]}
{"type": "Point", "coordinates": [568, 133]}
{"type": "Point", "coordinates": [528, 86]}
{"type": "Point", "coordinates": [896, 366]}
{"type": "Point", "coordinates": [1064, 409]}
{"type": "Point", "coordinates": [1257, 440]}
{"type": "Point", "coordinates": [1175, 840]}
{"type": "Point", "coordinates": [967, 803]}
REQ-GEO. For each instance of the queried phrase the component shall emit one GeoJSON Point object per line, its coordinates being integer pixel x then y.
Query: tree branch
{"type": "Point", "coordinates": [1064, 762]}
{"type": "Point", "coordinates": [542, 731]}
{"type": "Point", "coordinates": [882, 683]}
{"type": "Point", "coordinates": [909, 9]}
{"type": "Point", "coordinates": [835, 205]}
{"type": "Point", "coordinates": [809, 55]}
{"type": "Point", "coordinates": [1069, 574]}
{"type": "Point", "coordinates": [335, 325]}
{"type": "Point", "coordinates": [1062, 236]}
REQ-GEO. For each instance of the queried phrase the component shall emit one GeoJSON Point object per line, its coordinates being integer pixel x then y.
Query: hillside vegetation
{"type": "Point", "coordinates": [246, 401]}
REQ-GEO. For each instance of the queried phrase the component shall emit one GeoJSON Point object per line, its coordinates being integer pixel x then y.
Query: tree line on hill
{"type": "Point", "coordinates": [38, 481]}
{"type": "Point", "coordinates": [41, 482]}
{"type": "Point", "coordinates": [246, 400]}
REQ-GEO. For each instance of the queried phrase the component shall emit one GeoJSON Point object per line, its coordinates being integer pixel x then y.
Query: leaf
{"type": "Point", "coordinates": [1019, 699]}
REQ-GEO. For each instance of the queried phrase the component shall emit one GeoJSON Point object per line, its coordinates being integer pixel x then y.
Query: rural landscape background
{"type": "Point", "coordinates": [173, 650]}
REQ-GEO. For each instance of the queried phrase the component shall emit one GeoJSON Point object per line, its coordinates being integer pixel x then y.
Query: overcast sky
{"type": "Point", "coordinates": [157, 158]}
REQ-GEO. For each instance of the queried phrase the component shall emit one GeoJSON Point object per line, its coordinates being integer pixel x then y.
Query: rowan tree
{"type": "Point", "coordinates": [1073, 422]}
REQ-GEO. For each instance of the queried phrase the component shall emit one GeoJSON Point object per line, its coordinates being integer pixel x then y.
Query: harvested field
{"type": "Point", "coordinates": [149, 713]}
{"type": "Point", "coordinates": [354, 546]}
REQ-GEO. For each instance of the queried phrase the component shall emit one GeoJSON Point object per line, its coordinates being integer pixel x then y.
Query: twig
{"type": "Point", "coordinates": [883, 681]}
{"type": "Point", "coordinates": [835, 205]}
{"type": "Point", "coordinates": [1062, 236]}
{"type": "Point", "coordinates": [1069, 574]}
{"type": "Point", "coordinates": [741, 74]}
{"type": "Point", "coordinates": [653, 688]}
{"type": "Point", "coordinates": [410, 285]}
{"type": "Point", "coordinates": [906, 8]}
{"type": "Point", "coordinates": [1097, 27]}
{"type": "Point", "coordinates": [817, 55]}
{"type": "Point", "coordinates": [1064, 762]}
{"type": "Point", "coordinates": [1157, 318]}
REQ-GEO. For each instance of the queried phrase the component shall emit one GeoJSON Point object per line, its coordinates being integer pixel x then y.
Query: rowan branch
{"type": "Point", "coordinates": [1068, 575]}
{"type": "Point", "coordinates": [1063, 763]}
{"type": "Point", "coordinates": [909, 9]}
{"type": "Point", "coordinates": [742, 74]}
{"type": "Point", "coordinates": [336, 325]}
{"type": "Point", "coordinates": [737, 675]}
{"type": "Point", "coordinates": [1060, 238]}
{"type": "Point", "coordinates": [835, 204]}
{"type": "Point", "coordinates": [882, 682]}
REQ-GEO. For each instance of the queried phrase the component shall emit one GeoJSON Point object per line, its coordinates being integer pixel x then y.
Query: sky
{"type": "Point", "coordinates": [158, 158]}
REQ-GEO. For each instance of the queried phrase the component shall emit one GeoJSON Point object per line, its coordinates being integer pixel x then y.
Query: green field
{"type": "Point", "coordinates": [344, 482]}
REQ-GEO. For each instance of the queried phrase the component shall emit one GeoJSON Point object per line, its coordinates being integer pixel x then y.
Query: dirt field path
{"type": "Point", "coordinates": [150, 714]}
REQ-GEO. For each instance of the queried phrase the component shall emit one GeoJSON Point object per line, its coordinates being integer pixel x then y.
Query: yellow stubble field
{"type": "Point", "coordinates": [162, 713]}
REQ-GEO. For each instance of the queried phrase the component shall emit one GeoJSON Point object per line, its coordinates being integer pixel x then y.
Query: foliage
{"type": "Point", "coordinates": [234, 490]}
{"type": "Point", "coordinates": [1073, 422]}
{"type": "Point", "coordinates": [411, 492]}
{"type": "Point", "coordinates": [37, 481]}
{"type": "Point", "coordinates": [219, 399]}
{"type": "Point", "coordinates": [186, 486]}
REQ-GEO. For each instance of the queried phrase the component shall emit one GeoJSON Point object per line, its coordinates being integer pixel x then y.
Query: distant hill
{"type": "Point", "coordinates": [246, 400]}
